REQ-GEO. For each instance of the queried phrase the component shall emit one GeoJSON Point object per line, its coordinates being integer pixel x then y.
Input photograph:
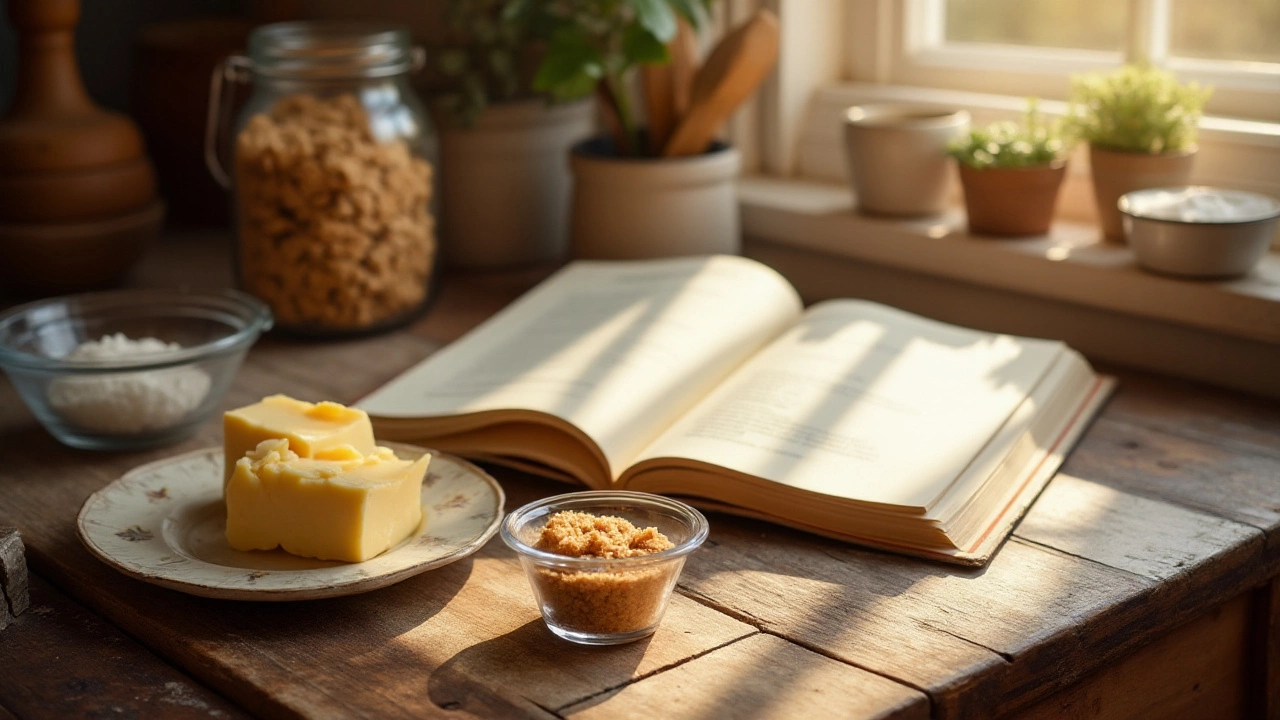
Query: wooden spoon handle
{"type": "Point", "coordinates": [732, 72]}
{"type": "Point", "coordinates": [660, 104]}
{"type": "Point", "coordinates": [667, 87]}
{"type": "Point", "coordinates": [684, 66]}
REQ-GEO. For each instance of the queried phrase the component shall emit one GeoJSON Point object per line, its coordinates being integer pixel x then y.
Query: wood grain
{"type": "Point", "coordinates": [1145, 537]}
{"type": "Point", "coordinates": [1193, 672]}
{"type": "Point", "coordinates": [1264, 652]}
{"type": "Point", "coordinates": [469, 631]}
{"type": "Point", "coordinates": [1186, 409]}
{"type": "Point", "coordinates": [1223, 480]}
{"type": "Point", "coordinates": [75, 664]}
{"type": "Point", "coordinates": [14, 594]}
{"type": "Point", "coordinates": [6, 615]}
{"type": "Point", "coordinates": [761, 676]}
{"type": "Point", "coordinates": [1167, 510]}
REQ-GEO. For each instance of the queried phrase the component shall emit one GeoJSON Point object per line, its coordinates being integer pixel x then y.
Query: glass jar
{"type": "Point", "coordinates": [332, 175]}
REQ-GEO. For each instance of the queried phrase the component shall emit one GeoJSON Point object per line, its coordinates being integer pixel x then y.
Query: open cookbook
{"type": "Point", "coordinates": [706, 379]}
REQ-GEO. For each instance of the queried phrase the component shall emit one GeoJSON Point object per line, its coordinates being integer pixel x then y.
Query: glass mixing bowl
{"type": "Point", "coordinates": [127, 402]}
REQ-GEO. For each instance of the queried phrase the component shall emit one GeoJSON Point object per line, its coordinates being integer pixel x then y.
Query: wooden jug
{"type": "Point", "coordinates": [63, 158]}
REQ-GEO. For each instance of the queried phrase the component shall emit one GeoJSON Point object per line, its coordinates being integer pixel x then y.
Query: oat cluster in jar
{"type": "Point", "coordinates": [332, 176]}
{"type": "Point", "coordinates": [334, 226]}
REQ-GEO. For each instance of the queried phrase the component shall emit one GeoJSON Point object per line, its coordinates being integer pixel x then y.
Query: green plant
{"type": "Point", "coordinates": [594, 45]}
{"type": "Point", "coordinates": [1136, 109]}
{"type": "Point", "coordinates": [1034, 141]}
{"type": "Point", "coordinates": [488, 43]}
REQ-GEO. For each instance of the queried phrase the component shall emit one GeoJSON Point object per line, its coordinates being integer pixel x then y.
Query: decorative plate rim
{"type": "Point", "coordinates": [360, 581]}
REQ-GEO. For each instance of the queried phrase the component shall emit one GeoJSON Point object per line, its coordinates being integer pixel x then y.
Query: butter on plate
{"type": "Point", "coordinates": [312, 429]}
{"type": "Point", "coordinates": [348, 507]}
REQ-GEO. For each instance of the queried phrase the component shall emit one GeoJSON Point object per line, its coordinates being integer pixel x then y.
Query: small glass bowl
{"type": "Point", "coordinates": [605, 601]}
{"type": "Point", "coordinates": [133, 402]}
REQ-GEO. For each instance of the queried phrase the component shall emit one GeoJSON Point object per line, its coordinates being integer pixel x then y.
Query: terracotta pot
{"type": "Point", "coordinates": [1116, 173]}
{"type": "Point", "coordinates": [505, 184]}
{"type": "Point", "coordinates": [626, 208]}
{"type": "Point", "coordinates": [1011, 202]}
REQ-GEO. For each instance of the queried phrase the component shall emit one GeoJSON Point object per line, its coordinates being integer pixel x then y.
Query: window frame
{"type": "Point", "coordinates": [909, 35]}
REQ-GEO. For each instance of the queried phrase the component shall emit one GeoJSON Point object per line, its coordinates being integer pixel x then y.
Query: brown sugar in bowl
{"type": "Point", "coordinates": [602, 564]}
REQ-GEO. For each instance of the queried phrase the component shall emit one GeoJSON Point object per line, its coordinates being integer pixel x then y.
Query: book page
{"type": "Point", "coordinates": [618, 349]}
{"type": "Point", "coordinates": [863, 402]}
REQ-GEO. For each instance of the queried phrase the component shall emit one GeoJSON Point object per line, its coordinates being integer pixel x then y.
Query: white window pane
{"type": "Point", "coordinates": [1079, 24]}
{"type": "Point", "coordinates": [1226, 30]}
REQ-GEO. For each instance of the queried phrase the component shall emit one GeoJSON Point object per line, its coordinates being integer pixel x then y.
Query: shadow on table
{"type": "Point", "coordinates": [531, 661]}
{"type": "Point", "coordinates": [377, 617]}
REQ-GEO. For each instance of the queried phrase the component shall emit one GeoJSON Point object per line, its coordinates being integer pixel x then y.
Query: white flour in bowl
{"type": "Point", "coordinates": [126, 403]}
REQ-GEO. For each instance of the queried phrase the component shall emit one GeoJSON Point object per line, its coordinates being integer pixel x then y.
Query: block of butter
{"type": "Point", "coordinates": [312, 429]}
{"type": "Point", "coordinates": [350, 507]}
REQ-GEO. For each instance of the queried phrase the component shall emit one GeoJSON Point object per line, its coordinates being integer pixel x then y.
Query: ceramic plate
{"type": "Point", "coordinates": [164, 523]}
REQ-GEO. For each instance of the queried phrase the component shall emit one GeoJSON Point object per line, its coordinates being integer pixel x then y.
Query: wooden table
{"type": "Point", "coordinates": [1143, 583]}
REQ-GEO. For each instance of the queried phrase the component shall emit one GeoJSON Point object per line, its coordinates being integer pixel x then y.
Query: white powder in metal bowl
{"type": "Point", "coordinates": [126, 403]}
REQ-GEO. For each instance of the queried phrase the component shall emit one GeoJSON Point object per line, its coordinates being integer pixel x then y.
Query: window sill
{"type": "Point", "coordinates": [1068, 284]}
{"type": "Point", "coordinates": [1242, 154]}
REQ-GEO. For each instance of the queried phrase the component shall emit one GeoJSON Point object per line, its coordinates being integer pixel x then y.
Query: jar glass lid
{"type": "Point", "coordinates": [318, 50]}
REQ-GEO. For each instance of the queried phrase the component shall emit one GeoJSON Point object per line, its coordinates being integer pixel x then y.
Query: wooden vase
{"type": "Point", "coordinates": [77, 192]}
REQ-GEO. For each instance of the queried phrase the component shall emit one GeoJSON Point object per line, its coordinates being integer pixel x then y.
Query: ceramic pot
{"type": "Point", "coordinates": [897, 156]}
{"type": "Point", "coordinates": [1011, 202]}
{"type": "Point", "coordinates": [1116, 173]}
{"type": "Point", "coordinates": [625, 208]}
{"type": "Point", "coordinates": [505, 186]}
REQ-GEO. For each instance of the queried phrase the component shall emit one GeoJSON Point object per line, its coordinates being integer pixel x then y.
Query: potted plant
{"type": "Point", "coordinates": [1141, 126]}
{"type": "Point", "coordinates": [1011, 173]}
{"type": "Point", "coordinates": [633, 197]}
{"type": "Point", "coordinates": [504, 183]}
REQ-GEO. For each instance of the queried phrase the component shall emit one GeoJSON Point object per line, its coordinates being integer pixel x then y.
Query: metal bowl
{"type": "Point", "coordinates": [1199, 232]}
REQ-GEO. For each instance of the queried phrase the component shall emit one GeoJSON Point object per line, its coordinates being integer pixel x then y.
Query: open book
{"type": "Point", "coordinates": [705, 378]}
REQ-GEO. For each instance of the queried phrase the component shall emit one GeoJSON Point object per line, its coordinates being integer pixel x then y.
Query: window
{"type": "Point", "coordinates": [1030, 47]}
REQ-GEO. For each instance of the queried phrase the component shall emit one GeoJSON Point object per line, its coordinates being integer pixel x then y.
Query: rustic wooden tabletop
{"type": "Point", "coordinates": [1143, 583]}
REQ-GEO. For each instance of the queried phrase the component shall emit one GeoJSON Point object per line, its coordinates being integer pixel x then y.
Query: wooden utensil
{"type": "Point", "coordinates": [733, 71]}
{"type": "Point", "coordinates": [667, 87]}
{"type": "Point", "coordinates": [684, 66]}
{"type": "Point", "coordinates": [612, 118]}
{"type": "Point", "coordinates": [659, 100]}
{"type": "Point", "coordinates": [61, 156]}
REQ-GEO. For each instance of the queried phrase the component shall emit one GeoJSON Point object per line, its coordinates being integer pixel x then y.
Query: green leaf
{"type": "Point", "coordinates": [516, 10]}
{"type": "Point", "coordinates": [576, 87]}
{"type": "Point", "coordinates": [693, 11]}
{"type": "Point", "coordinates": [451, 62]}
{"type": "Point", "coordinates": [642, 48]}
{"type": "Point", "coordinates": [657, 17]}
{"type": "Point", "coordinates": [571, 63]}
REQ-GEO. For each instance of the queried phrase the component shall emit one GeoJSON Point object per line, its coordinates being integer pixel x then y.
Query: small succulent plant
{"type": "Point", "coordinates": [1035, 141]}
{"type": "Point", "coordinates": [1136, 108]}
